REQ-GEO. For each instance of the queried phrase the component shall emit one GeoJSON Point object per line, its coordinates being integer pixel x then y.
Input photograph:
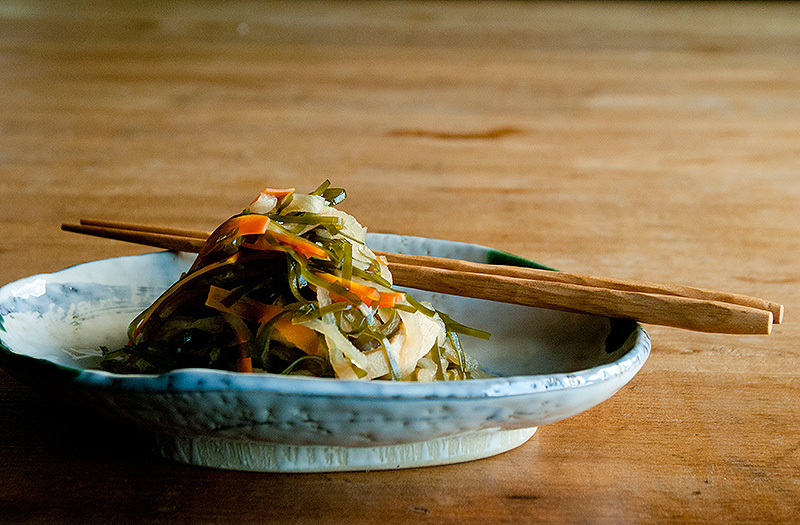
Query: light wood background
{"type": "Point", "coordinates": [655, 141]}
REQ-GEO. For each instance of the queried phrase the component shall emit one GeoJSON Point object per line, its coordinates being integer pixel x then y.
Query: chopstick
{"type": "Point", "coordinates": [650, 303]}
{"type": "Point", "coordinates": [589, 281]}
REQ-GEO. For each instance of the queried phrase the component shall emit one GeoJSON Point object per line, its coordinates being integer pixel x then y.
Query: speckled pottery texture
{"type": "Point", "coordinates": [548, 365]}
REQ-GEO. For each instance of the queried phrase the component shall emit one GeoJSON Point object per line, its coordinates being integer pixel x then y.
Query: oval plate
{"type": "Point", "coordinates": [549, 365]}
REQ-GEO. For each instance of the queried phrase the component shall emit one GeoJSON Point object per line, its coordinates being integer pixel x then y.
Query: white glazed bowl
{"type": "Point", "coordinates": [549, 365]}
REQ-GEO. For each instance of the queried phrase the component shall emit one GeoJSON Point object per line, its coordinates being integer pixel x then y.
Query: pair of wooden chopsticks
{"type": "Point", "coordinates": [650, 303]}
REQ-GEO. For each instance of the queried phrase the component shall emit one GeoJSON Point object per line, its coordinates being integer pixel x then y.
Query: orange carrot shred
{"type": "Point", "coordinates": [371, 296]}
{"type": "Point", "coordinates": [390, 299]}
{"type": "Point", "coordinates": [244, 364]}
{"type": "Point", "coordinates": [252, 224]}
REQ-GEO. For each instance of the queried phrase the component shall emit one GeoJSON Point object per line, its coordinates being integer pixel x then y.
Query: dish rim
{"type": "Point", "coordinates": [637, 347]}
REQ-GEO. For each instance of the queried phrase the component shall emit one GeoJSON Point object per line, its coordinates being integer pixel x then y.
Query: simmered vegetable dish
{"type": "Point", "coordinates": [289, 287]}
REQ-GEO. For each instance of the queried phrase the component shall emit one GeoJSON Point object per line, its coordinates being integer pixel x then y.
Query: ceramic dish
{"type": "Point", "coordinates": [548, 365]}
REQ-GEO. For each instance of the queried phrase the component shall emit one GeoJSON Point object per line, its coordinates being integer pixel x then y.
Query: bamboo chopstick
{"type": "Point", "coordinates": [148, 238]}
{"type": "Point", "coordinates": [590, 281]}
{"type": "Point", "coordinates": [458, 265]}
{"type": "Point", "coordinates": [667, 310]}
{"type": "Point", "coordinates": [650, 303]}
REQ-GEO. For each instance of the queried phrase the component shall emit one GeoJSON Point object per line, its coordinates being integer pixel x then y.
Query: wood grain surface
{"type": "Point", "coordinates": [652, 141]}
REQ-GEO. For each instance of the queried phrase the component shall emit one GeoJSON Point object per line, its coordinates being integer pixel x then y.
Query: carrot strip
{"type": "Point", "coordinates": [297, 243]}
{"type": "Point", "coordinates": [244, 364]}
{"type": "Point", "coordinates": [279, 193]}
{"type": "Point", "coordinates": [367, 294]}
{"type": "Point", "coordinates": [371, 296]}
{"type": "Point", "coordinates": [300, 245]}
{"type": "Point", "coordinates": [300, 336]}
{"type": "Point", "coordinates": [251, 224]}
{"type": "Point", "coordinates": [390, 299]}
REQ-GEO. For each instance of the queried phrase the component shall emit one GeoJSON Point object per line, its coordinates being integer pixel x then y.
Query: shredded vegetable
{"type": "Point", "coordinates": [289, 287]}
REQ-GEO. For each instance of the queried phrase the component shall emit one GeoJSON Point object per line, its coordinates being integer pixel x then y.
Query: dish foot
{"type": "Point", "coordinates": [277, 457]}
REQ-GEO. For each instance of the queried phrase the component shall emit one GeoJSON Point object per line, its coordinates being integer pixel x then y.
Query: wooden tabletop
{"type": "Point", "coordinates": [644, 141]}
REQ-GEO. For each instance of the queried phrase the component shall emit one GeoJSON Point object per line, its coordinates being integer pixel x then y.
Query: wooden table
{"type": "Point", "coordinates": [647, 141]}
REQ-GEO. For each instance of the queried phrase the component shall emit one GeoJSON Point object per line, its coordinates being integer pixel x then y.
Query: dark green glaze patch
{"type": "Point", "coordinates": [509, 259]}
{"type": "Point", "coordinates": [31, 370]}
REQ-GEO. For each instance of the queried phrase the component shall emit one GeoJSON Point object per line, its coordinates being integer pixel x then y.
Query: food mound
{"type": "Point", "coordinates": [289, 286]}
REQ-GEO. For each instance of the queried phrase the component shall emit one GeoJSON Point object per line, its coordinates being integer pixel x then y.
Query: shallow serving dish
{"type": "Point", "coordinates": [549, 365]}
